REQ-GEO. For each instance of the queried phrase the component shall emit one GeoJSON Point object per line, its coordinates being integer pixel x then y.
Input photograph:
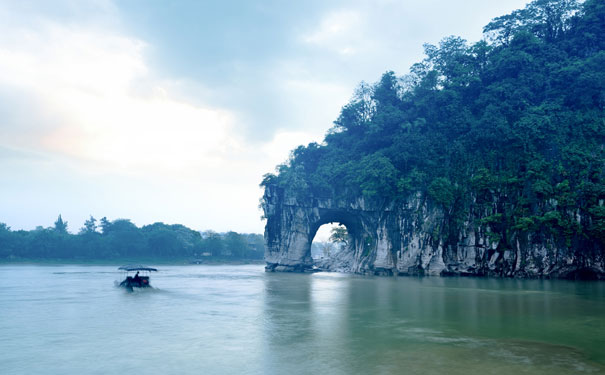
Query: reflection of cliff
{"type": "Point", "coordinates": [306, 321]}
{"type": "Point", "coordinates": [345, 324]}
{"type": "Point", "coordinates": [413, 238]}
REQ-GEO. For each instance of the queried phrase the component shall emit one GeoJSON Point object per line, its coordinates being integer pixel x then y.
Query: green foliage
{"type": "Point", "coordinates": [235, 244]}
{"type": "Point", "coordinates": [598, 222]}
{"type": "Point", "coordinates": [524, 224]}
{"type": "Point", "coordinates": [548, 19]}
{"type": "Point", "coordinates": [105, 225]}
{"type": "Point", "coordinates": [90, 226]}
{"type": "Point", "coordinates": [376, 176]}
{"type": "Point", "coordinates": [123, 239]}
{"type": "Point", "coordinates": [339, 234]}
{"type": "Point", "coordinates": [441, 191]}
{"type": "Point", "coordinates": [60, 225]}
{"type": "Point", "coordinates": [213, 243]}
{"type": "Point", "coordinates": [512, 126]}
{"type": "Point", "coordinates": [492, 219]}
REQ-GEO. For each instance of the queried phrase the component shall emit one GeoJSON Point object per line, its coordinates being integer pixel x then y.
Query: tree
{"type": "Point", "coordinates": [105, 225]}
{"type": "Point", "coordinates": [441, 191]}
{"type": "Point", "coordinates": [163, 242]}
{"type": "Point", "coordinates": [376, 176]}
{"type": "Point", "coordinates": [213, 243]}
{"type": "Point", "coordinates": [90, 226]}
{"type": "Point", "coordinates": [547, 19]}
{"type": "Point", "coordinates": [60, 225]}
{"type": "Point", "coordinates": [7, 241]}
{"type": "Point", "coordinates": [339, 235]}
{"type": "Point", "coordinates": [327, 248]}
{"type": "Point", "coordinates": [236, 244]}
{"type": "Point", "coordinates": [123, 239]}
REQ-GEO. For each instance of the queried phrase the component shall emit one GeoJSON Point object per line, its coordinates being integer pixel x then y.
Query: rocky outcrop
{"type": "Point", "coordinates": [415, 238]}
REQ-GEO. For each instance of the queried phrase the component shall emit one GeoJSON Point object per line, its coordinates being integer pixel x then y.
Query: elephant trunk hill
{"type": "Point", "coordinates": [486, 159]}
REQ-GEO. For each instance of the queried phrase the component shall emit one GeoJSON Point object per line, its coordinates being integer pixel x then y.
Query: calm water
{"type": "Point", "coordinates": [241, 320]}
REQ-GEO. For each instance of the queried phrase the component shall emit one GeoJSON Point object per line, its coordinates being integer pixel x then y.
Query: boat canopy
{"type": "Point", "coordinates": [136, 267]}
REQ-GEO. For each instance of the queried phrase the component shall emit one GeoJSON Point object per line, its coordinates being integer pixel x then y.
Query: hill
{"type": "Point", "coordinates": [503, 138]}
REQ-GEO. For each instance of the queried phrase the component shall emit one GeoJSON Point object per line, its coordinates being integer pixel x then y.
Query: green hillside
{"type": "Point", "coordinates": [514, 123]}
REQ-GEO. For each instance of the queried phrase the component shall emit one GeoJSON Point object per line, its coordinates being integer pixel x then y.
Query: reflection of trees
{"type": "Point", "coordinates": [287, 319]}
{"type": "Point", "coordinates": [306, 324]}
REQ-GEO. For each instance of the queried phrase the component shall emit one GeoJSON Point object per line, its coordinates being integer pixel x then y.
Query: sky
{"type": "Point", "coordinates": [173, 111]}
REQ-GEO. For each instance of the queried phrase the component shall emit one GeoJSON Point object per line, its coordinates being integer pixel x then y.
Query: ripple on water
{"type": "Point", "coordinates": [240, 320]}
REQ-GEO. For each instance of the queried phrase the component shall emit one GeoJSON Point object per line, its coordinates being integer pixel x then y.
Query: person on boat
{"type": "Point", "coordinates": [136, 278]}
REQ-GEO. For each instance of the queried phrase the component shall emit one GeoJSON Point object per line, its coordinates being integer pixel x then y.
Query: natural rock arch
{"type": "Point", "coordinates": [410, 237]}
{"type": "Point", "coordinates": [374, 241]}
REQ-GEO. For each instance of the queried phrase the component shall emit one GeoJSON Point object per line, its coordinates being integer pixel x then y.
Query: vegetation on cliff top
{"type": "Point", "coordinates": [513, 124]}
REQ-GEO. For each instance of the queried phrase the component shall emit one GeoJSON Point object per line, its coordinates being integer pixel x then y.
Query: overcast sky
{"type": "Point", "coordinates": [173, 110]}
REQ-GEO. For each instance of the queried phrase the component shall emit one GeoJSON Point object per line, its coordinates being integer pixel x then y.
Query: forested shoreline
{"type": "Point", "coordinates": [121, 239]}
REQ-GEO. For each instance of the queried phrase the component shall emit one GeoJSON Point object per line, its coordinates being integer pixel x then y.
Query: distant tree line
{"type": "Point", "coordinates": [119, 239]}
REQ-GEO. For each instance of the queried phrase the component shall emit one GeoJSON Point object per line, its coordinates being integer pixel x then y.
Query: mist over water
{"type": "Point", "coordinates": [240, 320]}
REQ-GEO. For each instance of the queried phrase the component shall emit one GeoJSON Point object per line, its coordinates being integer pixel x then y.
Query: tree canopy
{"type": "Point", "coordinates": [121, 239]}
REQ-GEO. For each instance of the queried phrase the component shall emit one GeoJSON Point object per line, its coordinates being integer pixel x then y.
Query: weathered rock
{"type": "Point", "coordinates": [410, 239]}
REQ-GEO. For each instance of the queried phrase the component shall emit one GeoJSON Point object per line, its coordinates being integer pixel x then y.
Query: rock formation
{"type": "Point", "coordinates": [414, 238]}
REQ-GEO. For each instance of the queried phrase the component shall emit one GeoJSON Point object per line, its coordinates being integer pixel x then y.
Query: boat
{"type": "Point", "coordinates": [136, 281]}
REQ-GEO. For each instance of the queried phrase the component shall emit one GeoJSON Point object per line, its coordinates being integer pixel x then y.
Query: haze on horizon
{"type": "Point", "coordinates": [173, 112]}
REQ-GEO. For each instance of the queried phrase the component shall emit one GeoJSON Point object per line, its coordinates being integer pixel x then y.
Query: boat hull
{"type": "Point", "coordinates": [131, 282]}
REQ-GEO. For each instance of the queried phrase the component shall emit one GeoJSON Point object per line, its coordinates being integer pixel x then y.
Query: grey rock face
{"type": "Point", "coordinates": [411, 239]}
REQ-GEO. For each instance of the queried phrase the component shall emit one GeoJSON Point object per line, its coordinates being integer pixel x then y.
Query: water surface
{"type": "Point", "coordinates": [240, 320]}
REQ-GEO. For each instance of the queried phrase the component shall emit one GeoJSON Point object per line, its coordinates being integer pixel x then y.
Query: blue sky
{"type": "Point", "coordinates": [173, 110]}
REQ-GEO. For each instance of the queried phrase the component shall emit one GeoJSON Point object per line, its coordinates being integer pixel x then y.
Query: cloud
{"type": "Point", "coordinates": [91, 83]}
{"type": "Point", "coordinates": [176, 119]}
{"type": "Point", "coordinates": [89, 126]}
{"type": "Point", "coordinates": [337, 30]}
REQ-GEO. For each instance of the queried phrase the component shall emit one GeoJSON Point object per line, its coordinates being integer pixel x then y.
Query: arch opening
{"type": "Point", "coordinates": [292, 226]}
{"type": "Point", "coordinates": [332, 241]}
{"type": "Point", "coordinates": [329, 240]}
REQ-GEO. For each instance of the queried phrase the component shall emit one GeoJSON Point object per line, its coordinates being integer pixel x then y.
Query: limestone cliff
{"type": "Point", "coordinates": [416, 237]}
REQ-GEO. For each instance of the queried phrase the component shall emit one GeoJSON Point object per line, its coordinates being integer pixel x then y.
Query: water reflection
{"type": "Point", "coordinates": [241, 320]}
{"type": "Point", "coordinates": [352, 324]}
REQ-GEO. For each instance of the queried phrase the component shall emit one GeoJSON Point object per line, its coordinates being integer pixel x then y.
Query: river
{"type": "Point", "coordinates": [71, 319]}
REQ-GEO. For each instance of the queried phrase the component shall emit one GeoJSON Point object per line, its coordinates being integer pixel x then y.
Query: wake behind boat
{"type": "Point", "coordinates": [136, 281]}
